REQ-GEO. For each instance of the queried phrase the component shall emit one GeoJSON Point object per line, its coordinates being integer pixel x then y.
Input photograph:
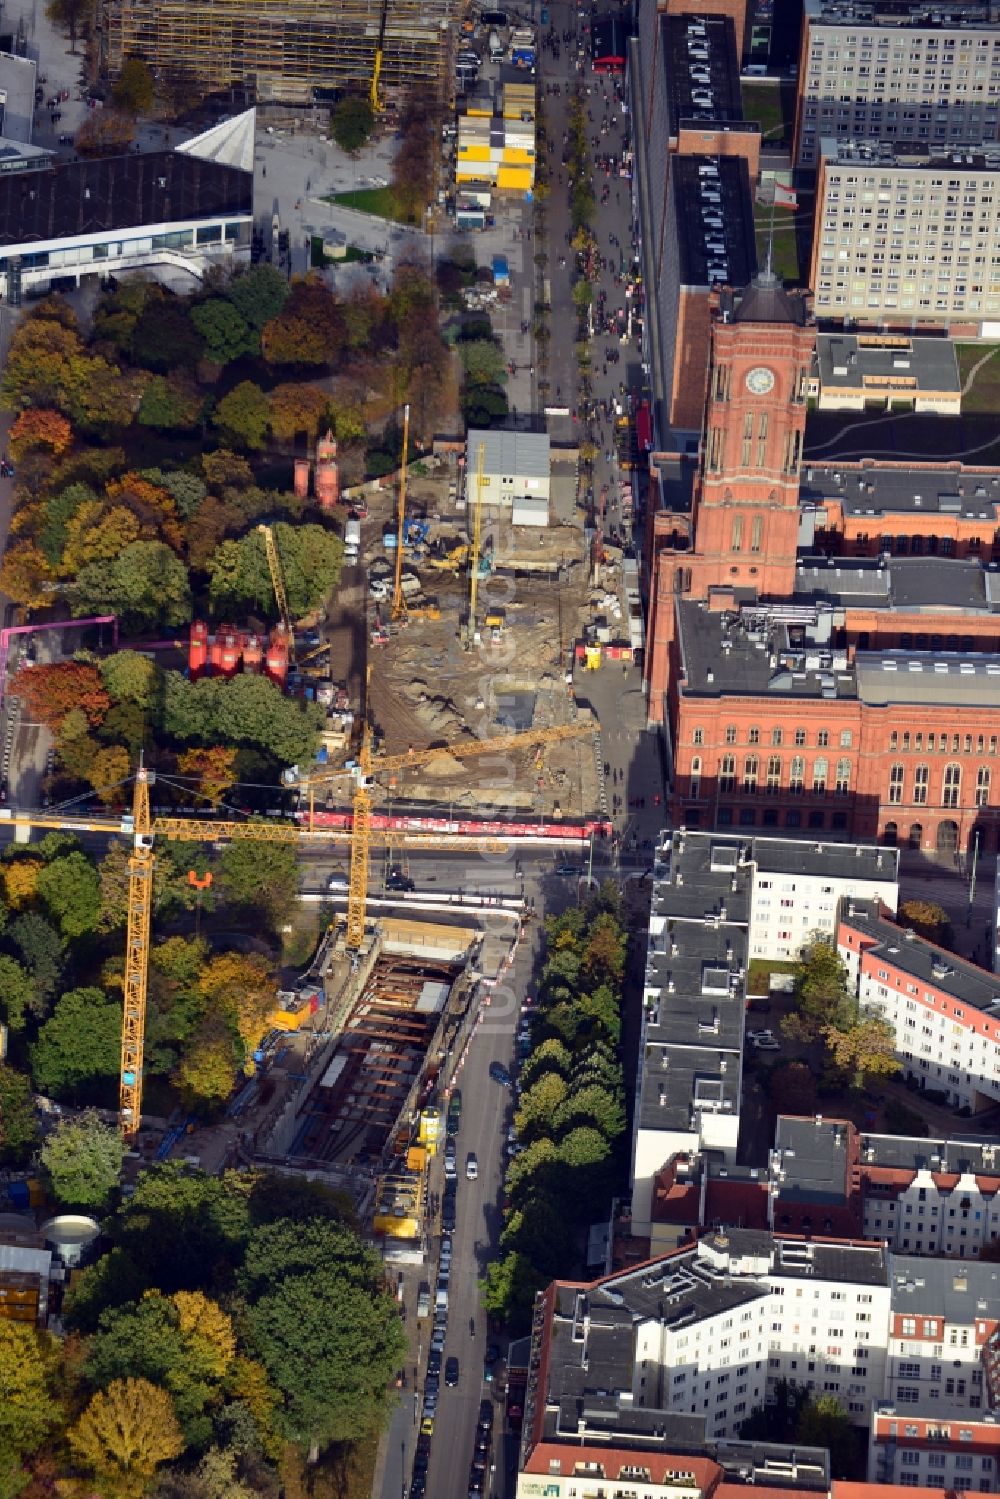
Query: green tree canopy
{"type": "Point", "coordinates": [78, 1049]}
{"type": "Point", "coordinates": [322, 1323]}
{"type": "Point", "coordinates": [225, 330]}
{"type": "Point", "coordinates": [184, 1343]}
{"type": "Point", "coordinates": [244, 414]}
{"type": "Point", "coordinates": [83, 1157]}
{"type": "Point", "coordinates": [258, 293]}
{"type": "Point", "coordinates": [261, 877]}
{"type": "Point", "coordinates": [184, 1230]}
{"type": "Point", "coordinates": [18, 1122]}
{"type": "Point", "coordinates": [311, 560]}
{"type": "Point", "coordinates": [173, 403]}
{"type": "Point", "coordinates": [351, 123]}
{"type": "Point", "coordinates": [131, 677]}
{"type": "Point", "coordinates": [40, 949]}
{"type": "Point", "coordinates": [71, 891]}
{"type": "Point", "coordinates": [145, 585]}
{"type": "Point", "coordinates": [28, 1408]}
{"type": "Point", "coordinates": [248, 710]}
{"type": "Point", "coordinates": [822, 996]}
{"type": "Point", "coordinates": [16, 992]}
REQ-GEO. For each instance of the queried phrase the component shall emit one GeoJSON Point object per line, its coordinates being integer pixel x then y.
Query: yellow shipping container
{"type": "Point", "coordinates": [514, 157]}
{"type": "Point", "coordinates": [474, 151]}
{"type": "Point", "coordinates": [514, 179]}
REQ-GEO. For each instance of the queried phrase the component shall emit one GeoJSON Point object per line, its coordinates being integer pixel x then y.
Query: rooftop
{"type": "Point", "coordinates": [944, 972]}
{"type": "Point", "coordinates": [957, 1290]}
{"type": "Point", "coordinates": [702, 69]}
{"type": "Point", "coordinates": [18, 79]}
{"type": "Point", "coordinates": [925, 13]}
{"type": "Point", "coordinates": [524, 455]}
{"type": "Point", "coordinates": [909, 584]}
{"type": "Point", "coordinates": [811, 1159]}
{"type": "Point", "coordinates": [693, 1016]}
{"type": "Point", "coordinates": [849, 361]}
{"type": "Point", "coordinates": [729, 652]}
{"type": "Point", "coordinates": [765, 300]}
{"type": "Point", "coordinates": [875, 489]}
{"type": "Point", "coordinates": [85, 198]}
{"type": "Point", "coordinates": [713, 207]}
{"type": "Point", "coordinates": [844, 861]}
{"type": "Point", "coordinates": [941, 678]}
{"type": "Point", "coordinates": [909, 156]}
{"type": "Point", "coordinates": [950, 1157]}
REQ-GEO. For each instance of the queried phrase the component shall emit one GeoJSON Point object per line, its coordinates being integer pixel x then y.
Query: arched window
{"type": "Point", "coordinates": [952, 785]}
{"type": "Point", "coordinates": [821, 769]}
{"type": "Point", "coordinates": [921, 776]}
{"type": "Point", "coordinates": [737, 543]}
{"type": "Point", "coordinates": [727, 773]}
{"type": "Point", "coordinates": [983, 786]}
{"type": "Point", "coordinates": [843, 781]}
{"type": "Point", "coordinates": [695, 782]}
{"type": "Point", "coordinates": [896, 784]}
{"type": "Point", "coordinates": [730, 733]}
{"type": "Point", "coordinates": [774, 774]}
{"type": "Point", "coordinates": [756, 533]}
{"type": "Point", "coordinates": [751, 765]}
{"type": "Point", "coordinates": [796, 773]}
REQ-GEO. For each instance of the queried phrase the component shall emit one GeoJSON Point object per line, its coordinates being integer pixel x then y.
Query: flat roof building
{"type": "Point", "coordinates": [289, 51]}
{"type": "Point", "coordinates": [516, 473]}
{"type": "Point", "coordinates": [944, 1012]}
{"type": "Point", "coordinates": [883, 372]}
{"type": "Point", "coordinates": [907, 234]}
{"type": "Point", "coordinates": [910, 71]}
{"type": "Point", "coordinates": [166, 211]}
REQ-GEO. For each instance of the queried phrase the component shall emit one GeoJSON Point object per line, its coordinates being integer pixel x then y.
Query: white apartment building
{"type": "Point", "coordinates": [904, 235]}
{"type": "Point", "coordinates": [718, 901]}
{"type": "Point", "coordinates": [943, 1010]}
{"type": "Point", "coordinates": [797, 887]}
{"type": "Point", "coordinates": [927, 73]}
{"type": "Point", "coordinates": [950, 1450]}
{"type": "Point", "coordinates": [945, 1200]}
{"type": "Point", "coordinates": [944, 1316]}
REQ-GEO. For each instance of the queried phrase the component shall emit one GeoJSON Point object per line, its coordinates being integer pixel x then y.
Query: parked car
{"type": "Point", "coordinates": [471, 1166]}
{"type": "Point", "coordinates": [486, 1415]}
{"type": "Point", "coordinates": [766, 1043]}
{"type": "Point", "coordinates": [499, 1074]}
{"type": "Point", "coordinates": [451, 1372]}
{"type": "Point", "coordinates": [397, 880]}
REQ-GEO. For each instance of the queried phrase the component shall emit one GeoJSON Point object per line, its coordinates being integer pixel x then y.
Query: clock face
{"type": "Point", "coordinates": [760, 381]}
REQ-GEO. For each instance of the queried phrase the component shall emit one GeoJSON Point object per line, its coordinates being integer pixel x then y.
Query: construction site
{"type": "Point", "coordinates": [422, 563]}
{"type": "Point", "coordinates": [296, 52]}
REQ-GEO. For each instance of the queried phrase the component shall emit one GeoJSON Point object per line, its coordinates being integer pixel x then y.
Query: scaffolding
{"type": "Point", "coordinates": [284, 51]}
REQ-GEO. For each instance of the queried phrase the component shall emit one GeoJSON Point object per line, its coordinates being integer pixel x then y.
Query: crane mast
{"type": "Point", "coordinates": [278, 584]}
{"type": "Point", "coordinates": [140, 915]}
{"type": "Point", "coordinates": [398, 600]}
{"type": "Point", "coordinates": [477, 539]}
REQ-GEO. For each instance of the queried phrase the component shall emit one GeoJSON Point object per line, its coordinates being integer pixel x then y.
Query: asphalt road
{"type": "Point", "coordinates": [486, 1113]}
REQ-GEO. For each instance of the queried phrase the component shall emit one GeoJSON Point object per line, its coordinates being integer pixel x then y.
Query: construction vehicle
{"type": "Point", "coordinates": [278, 584]}
{"type": "Point", "coordinates": [375, 91]}
{"type": "Point", "coordinates": [496, 623]}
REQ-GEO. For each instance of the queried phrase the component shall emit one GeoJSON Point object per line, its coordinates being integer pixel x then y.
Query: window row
{"type": "Point", "coordinates": [754, 772]}
{"type": "Point", "coordinates": [776, 735]}
{"type": "Point", "coordinates": [955, 744]}
{"type": "Point", "coordinates": [951, 785]}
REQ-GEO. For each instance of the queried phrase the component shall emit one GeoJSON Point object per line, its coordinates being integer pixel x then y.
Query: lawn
{"type": "Point", "coordinates": [769, 106]}
{"type": "Point", "coordinates": [379, 201]}
{"type": "Point", "coordinates": [785, 252]}
{"type": "Point", "coordinates": [985, 393]}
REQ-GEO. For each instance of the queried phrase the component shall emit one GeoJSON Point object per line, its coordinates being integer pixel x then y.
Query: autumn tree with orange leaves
{"type": "Point", "coordinates": [39, 428]}
{"type": "Point", "coordinates": [49, 692]}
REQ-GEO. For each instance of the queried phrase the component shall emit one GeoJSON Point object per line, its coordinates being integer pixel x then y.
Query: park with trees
{"type": "Point", "coordinates": [233, 1337]}
{"type": "Point", "coordinates": [570, 1118]}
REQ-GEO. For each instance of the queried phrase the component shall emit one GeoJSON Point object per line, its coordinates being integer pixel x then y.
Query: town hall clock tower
{"type": "Point", "coordinates": [743, 525]}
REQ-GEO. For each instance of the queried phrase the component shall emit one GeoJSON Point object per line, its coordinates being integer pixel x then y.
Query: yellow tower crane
{"type": "Point", "coordinates": [278, 584]}
{"type": "Point", "coordinates": [477, 539]}
{"type": "Point", "coordinates": [369, 769]}
{"type": "Point", "coordinates": [144, 829]}
{"type": "Point", "coordinates": [375, 90]}
{"type": "Point", "coordinates": [398, 600]}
